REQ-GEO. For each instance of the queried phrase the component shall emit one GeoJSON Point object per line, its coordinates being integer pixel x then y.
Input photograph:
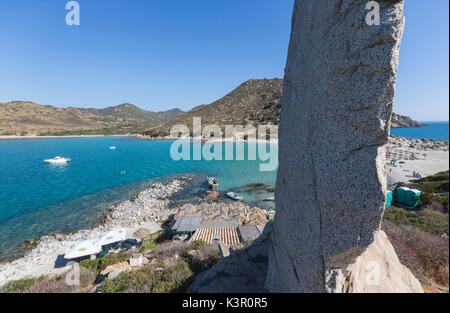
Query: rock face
{"type": "Point", "coordinates": [378, 269]}
{"type": "Point", "coordinates": [337, 105]}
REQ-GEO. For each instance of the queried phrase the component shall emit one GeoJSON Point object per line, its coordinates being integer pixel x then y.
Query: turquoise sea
{"type": "Point", "coordinates": [432, 130]}
{"type": "Point", "coordinates": [38, 198]}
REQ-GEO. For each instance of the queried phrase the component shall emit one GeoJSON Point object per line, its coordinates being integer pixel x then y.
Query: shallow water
{"type": "Point", "coordinates": [37, 198]}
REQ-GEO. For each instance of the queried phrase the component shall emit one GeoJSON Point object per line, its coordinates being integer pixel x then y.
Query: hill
{"type": "Point", "coordinates": [29, 118]}
{"type": "Point", "coordinates": [400, 121]}
{"type": "Point", "coordinates": [256, 101]}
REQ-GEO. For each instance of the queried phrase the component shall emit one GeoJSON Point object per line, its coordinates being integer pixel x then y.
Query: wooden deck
{"type": "Point", "coordinates": [228, 235]}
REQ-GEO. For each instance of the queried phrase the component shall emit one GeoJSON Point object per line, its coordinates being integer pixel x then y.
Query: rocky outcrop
{"type": "Point", "coordinates": [418, 144]}
{"type": "Point", "coordinates": [220, 211]}
{"type": "Point", "coordinates": [377, 269]}
{"type": "Point", "coordinates": [337, 105]}
{"type": "Point", "coordinates": [400, 121]}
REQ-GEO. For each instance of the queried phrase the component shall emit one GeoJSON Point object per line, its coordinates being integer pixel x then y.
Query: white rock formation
{"type": "Point", "coordinates": [330, 193]}
{"type": "Point", "coordinates": [378, 269]}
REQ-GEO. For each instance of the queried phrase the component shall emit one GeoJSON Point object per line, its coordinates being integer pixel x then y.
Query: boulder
{"type": "Point", "coordinates": [212, 195]}
{"type": "Point", "coordinates": [335, 122]}
{"type": "Point", "coordinates": [113, 271]}
{"type": "Point", "coordinates": [377, 270]}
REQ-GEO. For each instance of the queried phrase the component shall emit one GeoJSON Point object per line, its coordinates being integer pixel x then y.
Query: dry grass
{"type": "Point", "coordinates": [426, 255]}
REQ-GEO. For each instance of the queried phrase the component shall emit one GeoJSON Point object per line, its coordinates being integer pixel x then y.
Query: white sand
{"type": "Point", "coordinates": [435, 161]}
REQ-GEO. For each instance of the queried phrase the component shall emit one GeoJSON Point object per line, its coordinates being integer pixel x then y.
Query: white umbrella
{"type": "Point", "coordinates": [83, 248]}
{"type": "Point", "coordinates": [111, 236]}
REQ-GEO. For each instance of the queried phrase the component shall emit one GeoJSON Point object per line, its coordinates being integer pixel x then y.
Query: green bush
{"type": "Point", "coordinates": [100, 264]}
{"type": "Point", "coordinates": [198, 244]}
{"type": "Point", "coordinates": [21, 285]}
{"type": "Point", "coordinates": [444, 201]}
{"type": "Point", "coordinates": [148, 246]}
{"type": "Point", "coordinates": [146, 280]}
{"type": "Point", "coordinates": [87, 277]}
{"type": "Point", "coordinates": [427, 220]}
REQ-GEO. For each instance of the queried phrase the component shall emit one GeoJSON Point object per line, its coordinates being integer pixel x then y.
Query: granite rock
{"type": "Point", "coordinates": [335, 122]}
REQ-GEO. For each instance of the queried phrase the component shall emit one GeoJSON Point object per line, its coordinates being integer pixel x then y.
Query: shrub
{"type": "Point", "coordinates": [145, 247]}
{"type": "Point", "coordinates": [426, 255]}
{"type": "Point", "coordinates": [426, 220]}
{"type": "Point", "coordinates": [174, 279]}
{"type": "Point", "coordinates": [87, 277]}
{"type": "Point", "coordinates": [100, 264]}
{"type": "Point", "coordinates": [21, 285]}
{"type": "Point", "coordinates": [198, 244]}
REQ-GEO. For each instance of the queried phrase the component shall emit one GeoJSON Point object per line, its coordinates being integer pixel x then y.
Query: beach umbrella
{"type": "Point", "coordinates": [83, 248]}
{"type": "Point", "coordinates": [111, 236]}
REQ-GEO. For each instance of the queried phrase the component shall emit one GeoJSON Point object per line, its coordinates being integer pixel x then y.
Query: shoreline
{"type": "Point", "coordinates": [439, 142]}
{"type": "Point", "coordinates": [144, 210]}
{"type": "Point", "coordinates": [56, 137]}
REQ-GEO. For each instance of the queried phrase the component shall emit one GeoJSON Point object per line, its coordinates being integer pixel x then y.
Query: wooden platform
{"type": "Point", "coordinates": [228, 235]}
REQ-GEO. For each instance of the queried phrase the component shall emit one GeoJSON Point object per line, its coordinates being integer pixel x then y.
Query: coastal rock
{"type": "Point", "coordinates": [141, 233]}
{"type": "Point", "coordinates": [418, 144]}
{"type": "Point", "coordinates": [378, 269]}
{"type": "Point", "coordinates": [114, 270]}
{"type": "Point", "coordinates": [400, 121]}
{"type": "Point", "coordinates": [212, 195]}
{"type": "Point", "coordinates": [337, 105]}
{"type": "Point", "coordinates": [47, 252]}
{"type": "Point", "coordinates": [219, 211]}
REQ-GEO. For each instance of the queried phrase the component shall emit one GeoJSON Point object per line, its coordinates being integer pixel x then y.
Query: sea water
{"type": "Point", "coordinates": [432, 130]}
{"type": "Point", "coordinates": [38, 198]}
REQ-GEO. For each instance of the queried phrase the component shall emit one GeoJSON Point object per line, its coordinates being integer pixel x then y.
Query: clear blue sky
{"type": "Point", "coordinates": [160, 54]}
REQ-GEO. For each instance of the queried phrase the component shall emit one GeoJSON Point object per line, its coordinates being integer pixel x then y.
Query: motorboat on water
{"type": "Point", "coordinates": [234, 196]}
{"type": "Point", "coordinates": [112, 148]}
{"type": "Point", "coordinates": [213, 183]}
{"type": "Point", "coordinates": [58, 160]}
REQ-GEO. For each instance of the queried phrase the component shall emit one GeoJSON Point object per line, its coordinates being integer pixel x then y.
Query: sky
{"type": "Point", "coordinates": [162, 54]}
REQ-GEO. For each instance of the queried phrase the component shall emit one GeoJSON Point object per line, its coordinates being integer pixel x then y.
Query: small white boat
{"type": "Point", "coordinates": [58, 160]}
{"type": "Point", "coordinates": [213, 183]}
{"type": "Point", "coordinates": [234, 196]}
{"type": "Point", "coordinates": [112, 148]}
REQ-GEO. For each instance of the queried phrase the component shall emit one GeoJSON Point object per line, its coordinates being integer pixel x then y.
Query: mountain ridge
{"type": "Point", "coordinates": [256, 101]}
{"type": "Point", "coordinates": [30, 118]}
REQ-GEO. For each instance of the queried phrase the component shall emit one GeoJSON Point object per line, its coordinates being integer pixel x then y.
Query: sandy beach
{"type": "Point", "coordinates": [429, 158]}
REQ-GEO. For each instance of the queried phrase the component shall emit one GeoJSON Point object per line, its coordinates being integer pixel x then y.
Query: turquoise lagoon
{"type": "Point", "coordinates": [38, 198]}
